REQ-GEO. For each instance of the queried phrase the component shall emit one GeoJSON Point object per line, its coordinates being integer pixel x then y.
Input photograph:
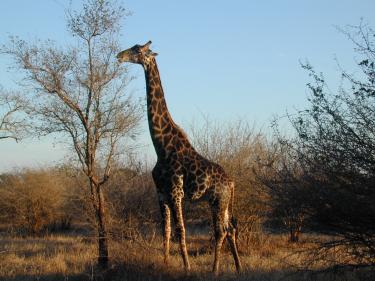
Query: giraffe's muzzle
{"type": "Point", "coordinates": [123, 56]}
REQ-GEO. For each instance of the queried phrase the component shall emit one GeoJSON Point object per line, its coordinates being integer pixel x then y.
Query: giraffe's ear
{"type": "Point", "coordinates": [151, 53]}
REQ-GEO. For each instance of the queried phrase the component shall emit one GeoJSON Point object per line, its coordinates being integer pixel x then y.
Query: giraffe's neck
{"type": "Point", "coordinates": [165, 134]}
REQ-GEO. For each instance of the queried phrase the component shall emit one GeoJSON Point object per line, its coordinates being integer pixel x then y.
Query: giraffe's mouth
{"type": "Point", "coordinates": [123, 56]}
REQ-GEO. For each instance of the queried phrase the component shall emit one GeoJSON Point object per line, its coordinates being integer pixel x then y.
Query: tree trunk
{"type": "Point", "coordinates": [294, 234]}
{"type": "Point", "coordinates": [99, 206]}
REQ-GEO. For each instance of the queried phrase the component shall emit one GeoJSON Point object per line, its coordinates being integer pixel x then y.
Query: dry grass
{"type": "Point", "coordinates": [73, 258]}
{"type": "Point", "coordinates": [39, 258]}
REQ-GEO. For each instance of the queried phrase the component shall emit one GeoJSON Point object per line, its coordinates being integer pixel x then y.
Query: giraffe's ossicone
{"type": "Point", "coordinates": [180, 170]}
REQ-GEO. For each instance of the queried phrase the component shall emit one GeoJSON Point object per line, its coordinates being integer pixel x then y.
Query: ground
{"type": "Point", "coordinates": [72, 256]}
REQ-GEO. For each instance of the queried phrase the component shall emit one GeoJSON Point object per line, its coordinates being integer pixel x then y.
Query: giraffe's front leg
{"type": "Point", "coordinates": [162, 187]}
{"type": "Point", "coordinates": [177, 196]}
{"type": "Point", "coordinates": [166, 225]}
{"type": "Point", "coordinates": [180, 232]}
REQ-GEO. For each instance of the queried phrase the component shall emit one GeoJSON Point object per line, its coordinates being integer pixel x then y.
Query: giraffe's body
{"type": "Point", "coordinates": [181, 171]}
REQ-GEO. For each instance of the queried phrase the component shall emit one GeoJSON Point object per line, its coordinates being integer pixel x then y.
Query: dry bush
{"type": "Point", "coordinates": [284, 179]}
{"type": "Point", "coordinates": [130, 194]}
{"type": "Point", "coordinates": [133, 204]}
{"type": "Point", "coordinates": [32, 201]}
{"type": "Point", "coordinates": [237, 147]}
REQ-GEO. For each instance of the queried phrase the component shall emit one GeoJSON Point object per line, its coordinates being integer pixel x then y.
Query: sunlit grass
{"type": "Point", "coordinates": [60, 257]}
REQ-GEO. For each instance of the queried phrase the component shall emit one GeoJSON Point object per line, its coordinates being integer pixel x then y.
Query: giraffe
{"type": "Point", "coordinates": [180, 170]}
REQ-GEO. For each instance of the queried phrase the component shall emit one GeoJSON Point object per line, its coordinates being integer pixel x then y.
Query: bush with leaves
{"type": "Point", "coordinates": [335, 144]}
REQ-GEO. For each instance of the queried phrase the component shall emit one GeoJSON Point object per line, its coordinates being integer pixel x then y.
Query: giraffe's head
{"type": "Point", "coordinates": [140, 54]}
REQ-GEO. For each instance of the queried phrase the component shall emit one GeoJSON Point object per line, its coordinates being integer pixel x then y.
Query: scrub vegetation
{"type": "Point", "coordinates": [305, 200]}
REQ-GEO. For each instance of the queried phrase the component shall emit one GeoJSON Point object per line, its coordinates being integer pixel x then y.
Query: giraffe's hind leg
{"type": "Point", "coordinates": [220, 231]}
{"type": "Point", "coordinates": [231, 237]}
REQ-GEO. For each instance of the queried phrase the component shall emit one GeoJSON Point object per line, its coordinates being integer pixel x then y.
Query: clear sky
{"type": "Point", "coordinates": [225, 59]}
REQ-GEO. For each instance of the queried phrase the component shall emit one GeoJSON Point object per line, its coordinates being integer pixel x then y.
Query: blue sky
{"type": "Point", "coordinates": [225, 59]}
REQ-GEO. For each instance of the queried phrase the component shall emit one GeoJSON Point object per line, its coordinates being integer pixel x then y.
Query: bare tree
{"type": "Point", "coordinates": [12, 121]}
{"type": "Point", "coordinates": [80, 96]}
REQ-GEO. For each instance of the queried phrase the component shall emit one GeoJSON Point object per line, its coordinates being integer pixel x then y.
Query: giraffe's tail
{"type": "Point", "coordinates": [233, 220]}
{"type": "Point", "coordinates": [232, 234]}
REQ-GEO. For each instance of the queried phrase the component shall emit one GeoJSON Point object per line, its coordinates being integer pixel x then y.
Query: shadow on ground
{"type": "Point", "coordinates": [150, 272]}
